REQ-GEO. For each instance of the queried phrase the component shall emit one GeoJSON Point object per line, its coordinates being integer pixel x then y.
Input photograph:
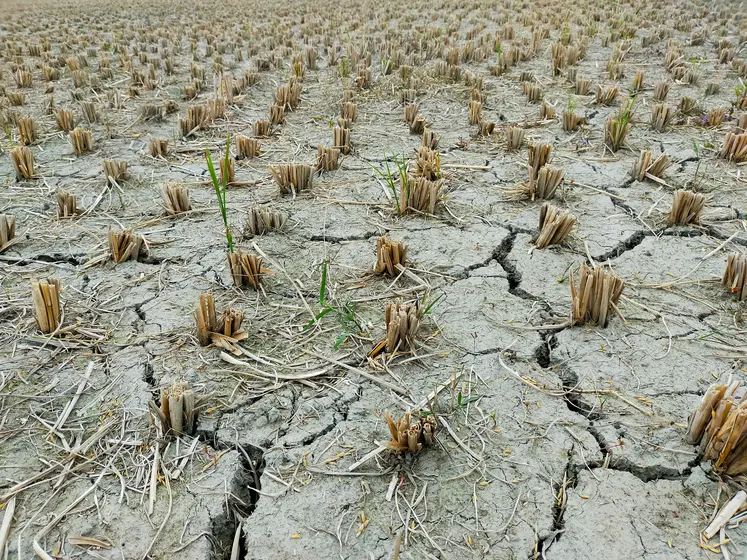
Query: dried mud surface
{"type": "Point", "coordinates": [553, 442]}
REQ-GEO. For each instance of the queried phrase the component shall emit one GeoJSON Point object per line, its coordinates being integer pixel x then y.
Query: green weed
{"type": "Point", "coordinates": [221, 192]}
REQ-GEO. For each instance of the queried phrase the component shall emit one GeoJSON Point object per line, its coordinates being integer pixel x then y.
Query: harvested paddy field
{"type": "Point", "coordinates": [373, 280]}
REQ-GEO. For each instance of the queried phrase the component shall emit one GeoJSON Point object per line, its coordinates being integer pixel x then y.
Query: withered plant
{"type": "Point", "coordinates": [89, 111]}
{"type": "Point", "coordinates": [606, 96]}
{"type": "Point", "coordinates": [533, 92]}
{"type": "Point", "coordinates": [27, 131]}
{"type": "Point", "coordinates": [660, 91]}
{"type": "Point", "coordinates": [349, 111]}
{"type": "Point", "coordinates": [158, 147]}
{"type": "Point", "coordinates": [227, 170]}
{"type": "Point", "coordinates": [686, 208]}
{"type": "Point", "coordinates": [582, 86]}
{"type": "Point", "coordinates": [637, 81]}
{"type": "Point", "coordinates": [261, 128]}
{"type": "Point", "coordinates": [719, 424]}
{"type": "Point", "coordinates": [260, 220]}
{"type": "Point", "coordinates": [514, 137]}
{"type": "Point", "coordinates": [16, 98]}
{"type": "Point", "coordinates": [402, 323]}
{"type": "Point", "coordinates": [327, 159]}
{"type": "Point", "coordinates": [547, 111]}
{"type": "Point", "coordinates": [411, 110]}
{"type": "Point", "coordinates": [246, 269]}
{"type": "Point", "coordinates": [115, 171]}
{"type": "Point", "coordinates": [175, 198]}
{"type": "Point", "coordinates": [598, 291]}
{"type": "Point", "coordinates": [277, 115]}
{"type": "Point", "coordinates": [177, 415]}
{"type": "Point", "coordinates": [389, 254]}
{"type": "Point", "coordinates": [23, 162]}
{"type": "Point", "coordinates": [408, 436]}
{"type": "Point", "coordinates": [554, 226]}
{"type": "Point", "coordinates": [419, 194]}
{"type": "Point", "coordinates": [687, 105]}
{"type": "Point", "coordinates": [292, 177]}
{"type": "Point", "coordinates": [571, 121]}
{"type": "Point", "coordinates": [475, 112]}
{"type": "Point", "coordinates": [210, 329]}
{"type": "Point", "coordinates": [81, 140]}
{"type": "Point", "coordinates": [645, 165]}
{"type": "Point", "coordinates": [428, 164]}
{"type": "Point", "coordinates": [735, 275]}
{"type": "Point", "coordinates": [67, 205]}
{"type": "Point", "coordinates": [430, 140]}
{"type": "Point", "coordinates": [246, 147]}
{"type": "Point", "coordinates": [485, 128]}
{"type": "Point", "coordinates": [661, 115]}
{"type": "Point", "coordinates": [7, 231]}
{"type": "Point", "coordinates": [124, 245]}
{"type": "Point", "coordinates": [734, 147]}
{"type": "Point", "coordinates": [46, 297]}
{"type": "Point", "coordinates": [417, 126]}
{"type": "Point", "coordinates": [342, 139]}
{"type": "Point", "coordinates": [715, 117]}
{"type": "Point", "coordinates": [65, 120]}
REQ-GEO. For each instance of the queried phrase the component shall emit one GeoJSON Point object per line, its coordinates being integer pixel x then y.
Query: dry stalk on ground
{"type": "Point", "coordinates": [644, 166]}
{"type": "Point", "coordinates": [158, 147]}
{"type": "Point", "coordinates": [292, 177]}
{"type": "Point", "coordinates": [734, 147]}
{"type": "Point", "coordinates": [179, 409]}
{"type": "Point", "coordinates": [81, 140]}
{"type": "Point", "coordinates": [327, 159]}
{"type": "Point", "coordinates": [246, 269]}
{"type": "Point", "coordinates": [67, 205]}
{"type": "Point", "coordinates": [115, 171]}
{"type": "Point", "coordinates": [247, 147]}
{"type": "Point", "coordinates": [7, 231]}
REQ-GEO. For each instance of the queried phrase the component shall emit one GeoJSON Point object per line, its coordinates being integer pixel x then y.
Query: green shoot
{"type": "Point", "coordinates": [221, 193]}
{"type": "Point", "coordinates": [391, 181]}
{"type": "Point", "coordinates": [345, 314]}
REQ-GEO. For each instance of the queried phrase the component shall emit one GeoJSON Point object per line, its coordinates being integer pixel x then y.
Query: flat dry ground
{"type": "Point", "coordinates": [553, 441]}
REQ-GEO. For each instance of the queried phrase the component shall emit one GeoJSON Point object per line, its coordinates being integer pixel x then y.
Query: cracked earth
{"type": "Point", "coordinates": [554, 441]}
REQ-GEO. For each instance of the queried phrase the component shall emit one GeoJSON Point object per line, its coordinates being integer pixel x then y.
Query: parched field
{"type": "Point", "coordinates": [456, 280]}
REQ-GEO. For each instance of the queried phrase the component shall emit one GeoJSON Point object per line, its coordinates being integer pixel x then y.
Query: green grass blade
{"type": "Point", "coordinates": [323, 285]}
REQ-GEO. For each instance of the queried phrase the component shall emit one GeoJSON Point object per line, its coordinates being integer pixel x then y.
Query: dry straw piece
{"type": "Point", "coordinates": [638, 81]}
{"type": "Point", "coordinates": [81, 140]}
{"type": "Point", "coordinates": [292, 177]}
{"type": "Point", "coordinates": [389, 254]}
{"type": "Point", "coordinates": [46, 297]}
{"type": "Point", "coordinates": [417, 126]}
{"type": "Point", "coordinates": [246, 147]}
{"type": "Point", "coordinates": [179, 409]}
{"type": "Point", "coordinates": [644, 167]}
{"type": "Point", "coordinates": [227, 171]}
{"type": "Point", "coordinates": [555, 225]}
{"type": "Point", "coordinates": [246, 269]}
{"type": "Point", "coordinates": [686, 208]}
{"type": "Point", "coordinates": [175, 198]}
{"type": "Point", "coordinates": [410, 112]}
{"type": "Point", "coordinates": [209, 329]}
{"type": "Point", "coordinates": [598, 291]}
{"type": "Point", "coordinates": [158, 147]}
{"type": "Point", "coordinates": [261, 220]}
{"type": "Point", "coordinates": [402, 323]}
{"type": "Point", "coordinates": [277, 114]}
{"type": "Point", "coordinates": [719, 423]}
{"type": "Point", "coordinates": [734, 147]}
{"type": "Point", "coordinates": [124, 245]}
{"type": "Point", "coordinates": [735, 275]}
{"type": "Point", "coordinates": [7, 231]}
{"type": "Point", "coordinates": [67, 205]}
{"type": "Point", "coordinates": [408, 436]}
{"type": "Point", "coordinates": [327, 159]}
{"type": "Point", "coordinates": [23, 162]}
{"type": "Point", "coordinates": [27, 131]}
{"type": "Point", "coordinates": [485, 128]}
{"type": "Point", "coordinates": [115, 171]}
{"type": "Point", "coordinates": [582, 86]}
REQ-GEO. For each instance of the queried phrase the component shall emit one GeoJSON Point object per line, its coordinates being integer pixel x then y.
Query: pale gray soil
{"type": "Point", "coordinates": [567, 442]}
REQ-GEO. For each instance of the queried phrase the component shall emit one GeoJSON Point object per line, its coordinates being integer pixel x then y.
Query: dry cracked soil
{"type": "Point", "coordinates": [553, 440]}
